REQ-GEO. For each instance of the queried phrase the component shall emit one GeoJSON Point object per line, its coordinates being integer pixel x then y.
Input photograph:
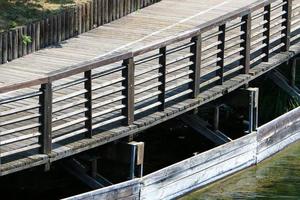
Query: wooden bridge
{"type": "Point", "coordinates": [136, 72]}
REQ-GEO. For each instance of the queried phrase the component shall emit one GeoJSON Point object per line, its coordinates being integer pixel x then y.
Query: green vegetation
{"type": "Point", "coordinates": [273, 100]}
{"type": "Point", "coordinates": [19, 12]}
{"type": "Point", "coordinates": [26, 39]}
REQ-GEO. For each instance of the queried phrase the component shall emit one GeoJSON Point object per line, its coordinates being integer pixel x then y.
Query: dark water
{"type": "Point", "coordinates": [275, 178]}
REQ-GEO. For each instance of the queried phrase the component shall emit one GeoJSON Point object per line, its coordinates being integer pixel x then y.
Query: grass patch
{"type": "Point", "coordinates": [19, 12]}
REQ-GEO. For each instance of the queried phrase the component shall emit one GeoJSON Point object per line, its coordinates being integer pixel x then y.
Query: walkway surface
{"type": "Point", "coordinates": [159, 21]}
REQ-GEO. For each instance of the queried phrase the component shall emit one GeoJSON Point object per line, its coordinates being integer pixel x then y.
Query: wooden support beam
{"type": "Point", "coordinates": [45, 100]}
{"type": "Point", "coordinates": [282, 82]}
{"type": "Point", "coordinates": [128, 92]}
{"type": "Point", "coordinates": [200, 126]}
{"type": "Point", "coordinates": [78, 170]}
{"type": "Point", "coordinates": [196, 66]}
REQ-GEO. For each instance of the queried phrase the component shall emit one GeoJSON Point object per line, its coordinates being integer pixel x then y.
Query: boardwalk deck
{"type": "Point", "coordinates": [136, 72]}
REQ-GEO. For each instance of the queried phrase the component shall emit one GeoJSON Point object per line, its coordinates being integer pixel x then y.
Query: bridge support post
{"type": "Point", "coordinates": [136, 159]}
{"type": "Point", "coordinates": [45, 100]}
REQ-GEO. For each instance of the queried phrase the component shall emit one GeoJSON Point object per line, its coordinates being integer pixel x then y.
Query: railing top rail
{"type": "Point", "coordinates": [120, 55]}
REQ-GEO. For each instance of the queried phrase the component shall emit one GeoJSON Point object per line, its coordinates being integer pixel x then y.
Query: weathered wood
{"type": "Point", "coordinates": [246, 28]}
{"type": "Point", "coordinates": [128, 92]}
{"type": "Point", "coordinates": [199, 125]}
{"type": "Point", "coordinates": [125, 190]}
{"type": "Point", "coordinates": [45, 140]}
{"type": "Point", "coordinates": [196, 66]}
{"type": "Point", "coordinates": [280, 80]}
{"type": "Point", "coordinates": [200, 169]}
{"type": "Point", "coordinates": [75, 168]}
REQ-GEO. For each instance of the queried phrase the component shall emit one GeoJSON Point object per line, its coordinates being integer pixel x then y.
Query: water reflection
{"type": "Point", "coordinates": [275, 178]}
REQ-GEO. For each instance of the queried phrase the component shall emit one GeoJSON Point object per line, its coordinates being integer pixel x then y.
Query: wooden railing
{"type": "Point", "coordinates": [64, 25]}
{"type": "Point", "coordinates": [79, 101]}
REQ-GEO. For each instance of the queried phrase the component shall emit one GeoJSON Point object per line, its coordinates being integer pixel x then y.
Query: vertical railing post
{"type": "Point", "coordinates": [45, 100]}
{"type": "Point", "coordinates": [246, 44]}
{"type": "Point", "coordinates": [287, 24]}
{"type": "Point", "coordinates": [221, 54]}
{"type": "Point", "coordinates": [128, 92]}
{"type": "Point", "coordinates": [162, 78]}
{"type": "Point", "coordinates": [196, 66]}
{"type": "Point", "coordinates": [88, 104]}
{"type": "Point", "coordinates": [266, 33]}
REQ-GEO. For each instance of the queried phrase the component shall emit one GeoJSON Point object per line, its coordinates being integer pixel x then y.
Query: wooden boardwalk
{"type": "Point", "coordinates": [136, 72]}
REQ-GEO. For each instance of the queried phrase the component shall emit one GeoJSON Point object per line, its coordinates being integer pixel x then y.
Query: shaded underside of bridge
{"type": "Point", "coordinates": [136, 72]}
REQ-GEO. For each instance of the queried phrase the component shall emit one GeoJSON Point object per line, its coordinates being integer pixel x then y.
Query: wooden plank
{"type": "Point", "coordinates": [125, 190]}
{"type": "Point", "coordinates": [199, 125]}
{"type": "Point", "coordinates": [200, 170]}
